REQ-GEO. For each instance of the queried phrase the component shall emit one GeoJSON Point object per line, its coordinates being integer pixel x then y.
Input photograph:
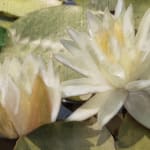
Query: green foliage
{"type": "Point", "coordinates": [22, 7]}
{"type": "Point", "coordinates": [50, 22]}
{"type": "Point", "coordinates": [3, 37]}
{"type": "Point", "coordinates": [133, 136]}
{"type": "Point", "coordinates": [66, 136]}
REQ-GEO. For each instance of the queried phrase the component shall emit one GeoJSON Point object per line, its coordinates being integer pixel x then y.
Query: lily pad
{"type": "Point", "coordinates": [50, 22]}
{"type": "Point", "coordinates": [65, 136]}
{"type": "Point", "coordinates": [22, 7]}
{"type": "Point", "coordinates": [133, 136]}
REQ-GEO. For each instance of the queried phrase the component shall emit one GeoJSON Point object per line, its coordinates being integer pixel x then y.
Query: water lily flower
{"type": "Point", "coordinates": [29, 95]}
{"type": "Point", "coordinates": [115, 64]}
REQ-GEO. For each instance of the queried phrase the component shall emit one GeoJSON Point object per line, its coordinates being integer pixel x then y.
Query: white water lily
{"type": "Point", "coordinates": [29, 95]}
{"type": "Point", "coordinates": [115, 63]}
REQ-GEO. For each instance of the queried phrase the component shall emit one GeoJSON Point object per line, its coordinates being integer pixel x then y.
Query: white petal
{"type": "Point", "coordinates": [128, 26]}
{"type": "Point", "coordinates": [78, 37]}
{"type": "Point", "coordinates": [138, 105]}
{"type": "Point", "coordinates": [72, 63]}
{"type": "Point", "coordinates": [30, 68]}
{"type": "Point", "coordinates": [114, 73]}
{"type": "Point", "coordinates": [138, 85]}
{"type": "Point", "coordinates": [143, 35]}
{"type": "Point", "coordinates": [107, 20]}
{"type": "Point", "coordinates": [71, 46]}
{"type": "Point", "coordinates": [12, 67]}
{"type": "Point", "coordinates": [85, 60]}
{"type": "Point", "coordinates": [55, 95]}
{"type": "Point", "coordinates": [106, 103]}
{"type": "Point", "coordinates": [10, 95]}
{"type": "Point", "coordinates": [93, 23]}
{"type": "Point", "coordinates": [119, 8]}
{"type": "Point", "coordinates": [115, 47]}
{"type": "Point", "coordinates": [113, 101]}
{"type": "Point", "coordinates": [52, 82]}
{"type": "Point", "coordinates": [82, 86]}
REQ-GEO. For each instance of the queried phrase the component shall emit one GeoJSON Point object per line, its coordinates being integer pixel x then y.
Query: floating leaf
{"type": "Point", "coordinates": [22, 7]}
{"type": "Point", "coordinates": [133, 136]}
{"type": "Point", "coordinates": [65, 136]}
{"type": "Point", "coordinates": [50, 22]}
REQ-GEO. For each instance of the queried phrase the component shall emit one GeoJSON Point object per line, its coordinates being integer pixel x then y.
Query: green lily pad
{"type": "Point", "coordinates": [50, 22]}
{"type": "Point", "coordinates": [65, 136]}
{"type": "Point", "coordinates": [22, 7]}
{"type": "Point", "coordinates": [133, 136]}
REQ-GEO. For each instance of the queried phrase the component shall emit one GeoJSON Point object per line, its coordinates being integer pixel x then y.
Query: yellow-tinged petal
{"type": "Point", "coordinates": [6, 127]}
{"type": "Point", "coordinates": [33, 110]}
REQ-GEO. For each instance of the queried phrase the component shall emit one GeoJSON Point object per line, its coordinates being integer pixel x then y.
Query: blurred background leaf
{"type": "Point", "coordinates": [65, 136]}
{"type": "Point", "coordinates": [22, 7]}
{"type": "Point", "coordinates": [133, 136]}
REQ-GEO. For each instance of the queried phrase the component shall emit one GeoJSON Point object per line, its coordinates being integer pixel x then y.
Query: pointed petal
{"type": "Point", "coordinates": [138, 85]}
{"type": "Point", "coordinates": [93, 23]}
{"type": "Point", "coordinates": [82, 86]}
{"type": "Point", "coordinates": [128, 26]}
{"type": "Point", "coordinates": [7, 129]}
{"type": "Point", "coordinates": [70, 46]}
{"type": "Point", "coordinates": [110, 107]}
{"type": "Point", "coordinates": [114, 73]}
{"type": "Point", "coordinates": [138, 105]}
{"type": "Point", "coordinates": [52, 82]}
{"type": "Point", "coordinates": [120, 7]}
{"type": "Point", "coordinates": [107, 19]}
{"type": "Point", "coordinates": [71, 62]}
{"type": "Point", "coordinates": [30, 68]}
{"type": "Point", "coordinates": [106, 103]}
{"type": "Point", "coordinates": [143, 35]}
{"type": "Point", "coordinates": [78, 37]}
{"type": "Point", "coordinates": [35, 109]}
{"type": "Point", "coordinates": [115, 47]}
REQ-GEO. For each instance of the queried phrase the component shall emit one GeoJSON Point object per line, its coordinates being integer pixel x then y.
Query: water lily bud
{"type": "Point", "coordinates": [29, 95]}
